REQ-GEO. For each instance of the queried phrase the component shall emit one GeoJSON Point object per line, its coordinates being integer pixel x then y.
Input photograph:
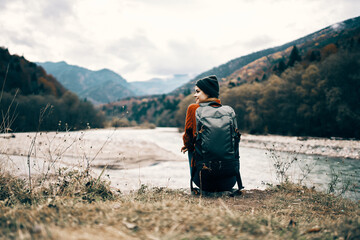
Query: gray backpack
{"type": "Point", "coordinates": [217, 142]}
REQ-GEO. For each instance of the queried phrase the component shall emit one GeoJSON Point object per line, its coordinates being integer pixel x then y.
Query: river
{"type": "Point", "coordinates": [171, 169]}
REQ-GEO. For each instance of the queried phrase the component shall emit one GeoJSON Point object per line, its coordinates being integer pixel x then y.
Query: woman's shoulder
{"type": "Point", "coordinates": [193, 106]}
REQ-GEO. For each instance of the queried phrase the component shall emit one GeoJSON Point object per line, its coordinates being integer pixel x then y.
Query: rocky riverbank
{"type": "Point", "coordinates": [305, 145]}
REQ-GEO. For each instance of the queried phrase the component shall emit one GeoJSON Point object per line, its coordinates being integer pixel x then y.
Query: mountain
{"type": "Point", "coordinates": [106, 86]}
{"type": "Point", "coordinates": [96, 86]}
{"type": "Point", "coordinates": [161, 86]}
{"type": "Point", "coordinates": [33, 100]}
{"type": "Point", "coordinates": [317, 40]}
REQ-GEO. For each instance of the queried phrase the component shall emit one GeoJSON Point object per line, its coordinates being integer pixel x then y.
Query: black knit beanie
{"type": "Point", "coordinates": [209, 85]}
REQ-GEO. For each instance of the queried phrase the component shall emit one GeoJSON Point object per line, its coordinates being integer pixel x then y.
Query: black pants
{"type": "Point", "coordinates": [207, 182]}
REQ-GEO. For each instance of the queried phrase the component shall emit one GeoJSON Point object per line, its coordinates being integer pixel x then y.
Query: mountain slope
{"type": "Point", "coordinates": [26, 76]}
{"type": "Point", "coordinates": [321, 38]}
{"type": "Point", "coordinates": [85, 82]}
{"type": "Point", "coordinates": [32, 100]}
{"type": "Point", "coordinates": [313, 48]}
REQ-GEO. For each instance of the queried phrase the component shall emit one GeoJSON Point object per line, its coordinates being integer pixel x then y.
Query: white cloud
{"type": "Point", "coordinates": [187, 56]}
{"type": "Point", "coordinates": [141, 39]}
{"type": "Point", "coordinates": [56, 10]}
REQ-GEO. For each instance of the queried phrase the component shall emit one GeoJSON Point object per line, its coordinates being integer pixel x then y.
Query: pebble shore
{"type": "Point", "coordinates": [306, 145]}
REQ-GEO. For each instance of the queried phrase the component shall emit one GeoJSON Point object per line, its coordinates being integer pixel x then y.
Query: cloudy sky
{"type": "Point", "coordinates": [141, 39]}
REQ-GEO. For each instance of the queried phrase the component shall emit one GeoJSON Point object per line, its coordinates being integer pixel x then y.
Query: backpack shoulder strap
{"type": "Point", "coordinates": [213, 103]}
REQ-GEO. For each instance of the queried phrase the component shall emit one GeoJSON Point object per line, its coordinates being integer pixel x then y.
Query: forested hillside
{"type": "Point", "coordinates": [30, 99]}
{"type": "Point", "coordinates": [307, 89]}
{"type": "Point", "coordinates": [317, 99]}
{"type": "Point", "coordinates": [160, 110]}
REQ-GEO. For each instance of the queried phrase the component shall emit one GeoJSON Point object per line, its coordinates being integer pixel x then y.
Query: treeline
{"type": "Point", "coordinates": [48, 113]}
{"type": "Point", "coordinates": [158, 110]}
{"type": "Point", "coordinates": [29, 96]}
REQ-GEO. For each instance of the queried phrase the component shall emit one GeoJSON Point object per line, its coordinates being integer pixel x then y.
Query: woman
{"type": "Point", "coordinates": [206, 90]}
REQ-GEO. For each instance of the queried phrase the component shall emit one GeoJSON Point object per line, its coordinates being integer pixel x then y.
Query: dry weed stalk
{"type": "Point", "coordinates": [281, 164]}
{"type": "Point", "coordinates": [52, 156]}
{"type": "Point", "coordinates": [43, 111]}
{"type": "Point", "coordinates": [53, 150]}
{"type": "Point", "coordinates": [89, 161]}
{"type": "Point", "coordinates": [7, 117]}
{"type": "Point", "coordinates": [339, 183]}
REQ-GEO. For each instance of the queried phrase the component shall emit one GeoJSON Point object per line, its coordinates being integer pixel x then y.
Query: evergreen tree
{"type": "Point", "coordinates": [294, 56]}
{"type": "Point", "coordinates": [281, 67]}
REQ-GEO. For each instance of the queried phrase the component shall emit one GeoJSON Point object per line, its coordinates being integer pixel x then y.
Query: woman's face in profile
{"type": "Point", "coordinates": [199, 95]}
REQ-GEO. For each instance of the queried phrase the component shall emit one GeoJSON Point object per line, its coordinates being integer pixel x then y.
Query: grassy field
{"type": "Point", "coordinates": [78, 206]}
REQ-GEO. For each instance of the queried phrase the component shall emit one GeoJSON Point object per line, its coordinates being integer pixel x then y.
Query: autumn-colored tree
{"type": "Point", "coordinates": [328, 50]}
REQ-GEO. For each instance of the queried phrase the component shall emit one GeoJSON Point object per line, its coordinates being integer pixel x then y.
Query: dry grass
{"type": "Point", "coordinates": [283, 212]}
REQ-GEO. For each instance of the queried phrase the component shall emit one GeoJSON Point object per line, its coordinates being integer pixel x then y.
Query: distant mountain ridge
{"type": "Point", "coordinates": [97, 86]}
{"type": "Point", "coordinates": [161, 86]}
{"type": "Point", "coordinates": [104, 86]}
